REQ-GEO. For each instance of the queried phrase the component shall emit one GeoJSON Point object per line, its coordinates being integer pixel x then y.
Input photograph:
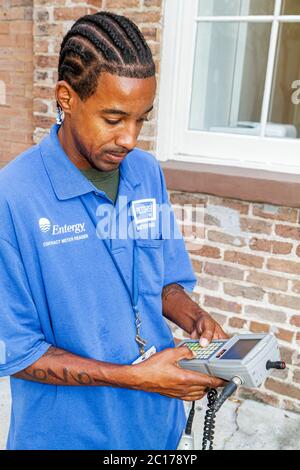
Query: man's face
{"type": "Point", "coordinates": [105, 128]}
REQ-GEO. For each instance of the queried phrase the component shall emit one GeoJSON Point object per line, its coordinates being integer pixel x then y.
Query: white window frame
{"type": "Point", "coordinates": [175, 141]}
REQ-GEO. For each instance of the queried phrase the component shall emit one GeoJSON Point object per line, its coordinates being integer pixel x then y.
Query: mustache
{"type": "Point", "coordinates": [116, 151]}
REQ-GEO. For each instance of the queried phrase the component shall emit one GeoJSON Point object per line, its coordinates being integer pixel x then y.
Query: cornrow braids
{"type": "Point", "coordinates": [103, 42]}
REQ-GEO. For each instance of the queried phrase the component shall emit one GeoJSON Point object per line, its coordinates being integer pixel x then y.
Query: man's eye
{"type": "Point", "coordinates": [112, 123]}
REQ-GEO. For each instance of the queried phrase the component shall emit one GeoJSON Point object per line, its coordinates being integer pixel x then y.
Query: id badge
{"type": "Point", "coordinates": [145, 356]}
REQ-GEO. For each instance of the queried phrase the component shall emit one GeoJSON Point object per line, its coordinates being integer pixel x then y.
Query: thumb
{"type": "Point", "coordinates": [184, 353]}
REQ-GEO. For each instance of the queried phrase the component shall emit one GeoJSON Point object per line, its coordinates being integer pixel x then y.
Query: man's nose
{"type": "Point", "coordinates": [127, 138]}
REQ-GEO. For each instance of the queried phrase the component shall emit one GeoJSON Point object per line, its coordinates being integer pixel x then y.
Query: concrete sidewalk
{"type": "Point", "coordinates": [239, 425]}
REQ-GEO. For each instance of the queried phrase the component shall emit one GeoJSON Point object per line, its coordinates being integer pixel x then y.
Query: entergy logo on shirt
{"type": "Point", "coordinates": [144, 212]}
{"type": "Point", "coordinates": [68, 232]}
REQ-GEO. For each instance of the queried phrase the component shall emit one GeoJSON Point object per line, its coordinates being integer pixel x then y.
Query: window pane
{"type": "Point", "coordinates": [236, 7]}
{"type": "Point", "coordinates": [285, 99]}
{"type": "Point", "coordinates": [229, 77]}
{"type": "Point", "coordinates": [290, 7]}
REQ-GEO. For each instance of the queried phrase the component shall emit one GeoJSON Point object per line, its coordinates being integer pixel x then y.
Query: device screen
{"type": "Point", "coordinates": [240, 349]}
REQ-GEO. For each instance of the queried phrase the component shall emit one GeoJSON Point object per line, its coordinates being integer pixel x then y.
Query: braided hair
{"type": "Point", "coordinates": [103, 42]}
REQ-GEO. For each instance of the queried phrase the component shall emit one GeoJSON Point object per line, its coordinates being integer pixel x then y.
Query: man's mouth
{"type": "Point", "coordinates": [115, 157]}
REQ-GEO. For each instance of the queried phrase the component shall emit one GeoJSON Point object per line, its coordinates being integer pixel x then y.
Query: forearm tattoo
{"type": "Point", "coordinates": [63, 377]}
{"type": "Point", "coordinates": [171, 290]}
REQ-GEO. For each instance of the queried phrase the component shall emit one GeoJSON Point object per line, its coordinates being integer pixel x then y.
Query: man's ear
{"type": "Point", "coordinates": [65, 96]}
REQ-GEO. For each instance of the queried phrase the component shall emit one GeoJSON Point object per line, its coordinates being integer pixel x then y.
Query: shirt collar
{"type": "Point", "coordinates": [67, 181]}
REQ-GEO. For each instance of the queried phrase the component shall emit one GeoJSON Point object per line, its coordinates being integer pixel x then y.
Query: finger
{"type": "Point", "coordinates": [183, 352]}
{"type": "Point", "coordinates": [216, 382]}
{"type": "Point", "coordinates": [201, 380]}
{"type": "Point", "coordinates": [193, 397]}
{"type": "Point", "coordinates": [207, 326]}
{"type": "Point", "coordinates": [195, 334]}
{"type": "Point", "coordinates": [220, 333]}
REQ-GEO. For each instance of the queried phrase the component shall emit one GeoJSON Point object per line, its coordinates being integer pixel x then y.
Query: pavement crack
{"type": "Point", "coordinates": [237, 428]}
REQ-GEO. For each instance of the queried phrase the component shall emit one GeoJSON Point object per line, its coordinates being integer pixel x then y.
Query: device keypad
{"type": "Point", "coordinates": [203, 353]}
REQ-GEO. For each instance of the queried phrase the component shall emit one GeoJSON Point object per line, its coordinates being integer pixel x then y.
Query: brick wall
{"type": "Point", "coordinates": [52, 19]}
{"type": "Point", "coordinates": [16, 69]}
{"type": "Point", "coordinates": [247, 256]}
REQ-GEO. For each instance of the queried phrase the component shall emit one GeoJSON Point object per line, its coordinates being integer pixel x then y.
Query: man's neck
{"type": "Point", "coordinates": [66, 142]}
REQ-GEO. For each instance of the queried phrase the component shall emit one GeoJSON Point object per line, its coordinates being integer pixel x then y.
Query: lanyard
{"type": "Point", "coordinates": [134, 296]}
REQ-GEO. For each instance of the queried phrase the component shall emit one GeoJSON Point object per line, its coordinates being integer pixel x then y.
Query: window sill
{"type": "Point", "coordinates": [232, 182]}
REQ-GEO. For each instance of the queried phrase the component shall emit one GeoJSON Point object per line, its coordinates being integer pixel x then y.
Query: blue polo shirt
{"type": "Point", "coordinates": [60, 286]}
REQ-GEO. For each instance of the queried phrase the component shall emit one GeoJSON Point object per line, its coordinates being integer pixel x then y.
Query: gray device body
{"type": "Point", "coordinates": [243, 356]}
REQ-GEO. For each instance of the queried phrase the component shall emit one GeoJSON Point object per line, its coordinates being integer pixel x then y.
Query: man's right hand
{"type": "Point", "coordinates": [162, 374]}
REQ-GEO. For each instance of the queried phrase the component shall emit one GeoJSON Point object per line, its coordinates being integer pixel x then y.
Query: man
{"type": "Point", "coordinates": [79, 308]}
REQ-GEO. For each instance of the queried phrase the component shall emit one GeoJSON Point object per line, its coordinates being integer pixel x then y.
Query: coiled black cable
{"type": "Point", "coordinates": [189, 424]}
{"type": "Point", "coordinates": [209, 420]}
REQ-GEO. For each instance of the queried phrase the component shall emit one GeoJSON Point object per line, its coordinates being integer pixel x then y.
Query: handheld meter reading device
{"type": "Point", "coordinates": [248, 357]}
{"type": "Point", "coordinates": [242, 359]}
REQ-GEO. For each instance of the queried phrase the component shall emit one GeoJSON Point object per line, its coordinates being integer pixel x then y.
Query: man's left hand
{"type": "Point", "coordinates": [206, 329]}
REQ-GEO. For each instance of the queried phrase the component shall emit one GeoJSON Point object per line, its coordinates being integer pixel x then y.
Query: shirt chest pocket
{"type": "Point", "coordinates": [150, 265]}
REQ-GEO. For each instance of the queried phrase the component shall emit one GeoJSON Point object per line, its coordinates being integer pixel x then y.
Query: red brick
{"type": "Point", "coordinates": [280, 374]}
{"type": "Point", "coordinates": [207, 283]}
{"type": "Point", "coordinates": [4, 28]}
{"type": "Point", "coordinates": [284, 335]}
{"type": "Point", "coordinates": [146, 145]}
{"type": "Point", "coordinates": [21, 3]}
{"type": "Point", "coordinates": [195, 232]}
{"type": "Point", "coordinates": [267, 280]}
{"type": "Point", "coordinates": [244, 259]}
{"type": "Point", "coordinates": [254, 394]}
{"type": "Point", "coordinates": [116, 4]}
{"type": "Point", "coordinates": [296, 375]}
{"type": "Point", "coordinates": [41, 15]}
{"type": "Point", "coordinates": [41, 45]}
{"type": "Point", "coordinates": [260, 245]}
{"type": "Point", "coordinates": [255, 226]}
{"type": "Point", "coordinates": [283, 214]}
{"type": "Point", "coordinates": [291, 406]}
{"type": "Point", "coordinates": [259, 327]}
{"type": "Point", "coordinates": [188, 199]}
{"type": "Point", "coordinates": [43, 121]}
{"type": "Point", "coordinates": [208, 252]}
{"type": "Point", "coordinates": [235, 322]}
{"type": "Point", "coordinates": [222, 304]}
{"type": "Point", "coordinates": [224, 271]}
{"type": "Point", "coordinates": [69, 13]}
{"type": "Point", "coordinates": [197, 265]}
{"type": "Point", "coordinates": [295, 320]}
{"type": "Point", "coordinates": [280, 248]}
{"type": "Point", "coordinates": [271, 246]}
{"type": "Point", "coordinates": [288, 301]}
{"type": "Point", "coordinates": [287, 231]}
{"type": "Point", "coordinates": [44, 92]}
{"type": "Point", "coordinates": [234, 290]}
{"type": "Point", "coordinates": [153, 3]}
{"type": "Point", "coordinates": [241, 207]}
{"type": "Point", "coordinates": [225, 239]}
{"type": "Point", "coordinates": [283, 388]}
{"type": "Point", "coordinates": [211, 220]}
{"type": "Point", "coordinates": [150, 34]}
{"type": "Point", "coordinates": [145, 17]}
{"type": "Point", "coordinates": [283, 266]}
{"type": "Point", "coordinates": [44, 61]}
{"type": "Point", "coordinates": [265, 314]}
{"type": "Point", "coordinates": [287, 354]}
{"type": "Point", "coordinates": [48, 29]}
{"type": "Point", "coordinates": [221, 319]}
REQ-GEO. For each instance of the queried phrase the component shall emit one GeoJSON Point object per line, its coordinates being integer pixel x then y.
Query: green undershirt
{"type": "Point", "coordinates": [106, 181]}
